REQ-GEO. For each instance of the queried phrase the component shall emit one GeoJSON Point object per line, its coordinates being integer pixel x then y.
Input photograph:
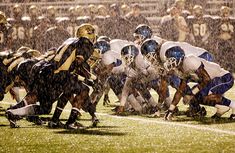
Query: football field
{"type": "Point", "coordinates": [122, 134]}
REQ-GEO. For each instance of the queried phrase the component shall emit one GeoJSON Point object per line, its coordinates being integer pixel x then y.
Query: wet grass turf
{"type": "Point", "coordinates": [137, 134]}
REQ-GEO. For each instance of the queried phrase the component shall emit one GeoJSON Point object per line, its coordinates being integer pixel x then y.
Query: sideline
{"type": "Point", "coordinates": [197, 127]}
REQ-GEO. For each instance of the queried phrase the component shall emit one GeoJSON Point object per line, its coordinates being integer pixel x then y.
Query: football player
{"type": "Point", "coordinates": [200, 27]}
{"type": "Point", "coordinates": [136, 71]}
{"type": "Point", "coordinates": [19, 34]}
{"type": "Point", "coordinates": [72, 21]}
{"type": "Point", "coordinates": [51, 15]}
{"type": "Point", "coordinates": [5, 33]}
{"type": "Point", "coordinates": [141, 33]}
{"type": "Point", "coordinates": [51, 78]}
{"type": "Point", "coordinates": [213, 81]}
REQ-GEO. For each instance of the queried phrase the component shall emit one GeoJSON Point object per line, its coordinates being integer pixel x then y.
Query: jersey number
{"type": "Point", "coordinates": [18, 33]}
{"type": "Point", "coordinates": [199, 29]}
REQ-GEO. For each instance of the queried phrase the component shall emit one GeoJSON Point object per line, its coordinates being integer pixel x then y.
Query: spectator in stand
{"type": "Point", "coordinates": [136, 18]}
{"type": "Point", "coordinates": [180, 5]}
{"type": "Point", "coordinates": [116, 27]}
{"type": "Point", "coordinates": [173, 26]}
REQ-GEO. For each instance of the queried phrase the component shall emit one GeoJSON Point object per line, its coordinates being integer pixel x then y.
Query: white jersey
{"type": "Point", "coordinates": [192, 63]}
{"type": "Point", "coordinates": [114, 54]}
{"type": "Point", "coordinates": [188, 49]}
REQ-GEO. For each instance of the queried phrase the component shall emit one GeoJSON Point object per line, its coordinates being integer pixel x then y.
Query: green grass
{"type": "Point", "coordinates": [137, 134]}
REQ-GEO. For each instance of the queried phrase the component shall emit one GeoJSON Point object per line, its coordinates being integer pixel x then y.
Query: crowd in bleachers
{"type": "Point", "coordinates": [43, 30]}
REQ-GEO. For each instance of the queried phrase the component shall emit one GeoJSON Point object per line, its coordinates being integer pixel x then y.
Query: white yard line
{"type": "Point", "coordinates": [201, 127]}
{"type": "Point", "coordinates": [197, 127]}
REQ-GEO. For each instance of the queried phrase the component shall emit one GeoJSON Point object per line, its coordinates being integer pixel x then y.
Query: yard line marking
{"type": "Point", "coordinates": [203, 128]}
{"type": "Point", "coordinates": [172, 124]}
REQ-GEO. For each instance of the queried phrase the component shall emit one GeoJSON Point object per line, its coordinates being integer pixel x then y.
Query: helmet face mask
{"type": "Point", "coordinates": [174, 58]}
{"type": "Point", "coordinates": [152, 58]}
{"type": "Point", "coordinates": [129, 53]}
{"type": "Point", "coordinates": [171, 64]}
{"type": "Point", "coordinates": [128, 59]}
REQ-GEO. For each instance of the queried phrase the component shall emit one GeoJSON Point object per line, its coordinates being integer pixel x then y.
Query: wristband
{"type": "Point", "coordinates": [195, 90]}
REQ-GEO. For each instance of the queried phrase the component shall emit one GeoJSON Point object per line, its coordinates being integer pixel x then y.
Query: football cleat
{"type": "Point", "coordinates": [74, 126]}
{"type": "Point", "coordinates": [216, 116]}
{"type": "Point", "coordinates": [12, 119]}
{"type": "Point", "coordinates": [232, 117]}
{"type": "Point", "coordinates": [168, 115]}
{"type": "Point", "coordinates": [95, 121]}
{"type": "Point", "coordinates": [53, 125]}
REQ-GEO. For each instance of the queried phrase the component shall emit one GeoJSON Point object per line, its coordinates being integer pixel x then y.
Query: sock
{"type": "Point", "coordinates": [73, 116]}
{"type": "Point", "coordinates": [168, 101]}
{"type": "Point", "coordinates": [232, 106]}
{"type": "Point", "coordinates": [134, 103]}
{"type": "Point", "coordinates": [152, 102]}
{"type": "Point", "coordinates": [33, 109]}
{"type": "Point", "coordinates": [60, 106]}
{"type": "Point", "coordinates": [57, 114]}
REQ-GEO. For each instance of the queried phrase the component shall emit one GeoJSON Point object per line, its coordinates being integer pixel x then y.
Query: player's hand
{"type": "Point", "coordinates": [168, 115]}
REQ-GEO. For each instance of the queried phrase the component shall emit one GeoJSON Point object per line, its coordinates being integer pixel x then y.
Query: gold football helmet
{"type": "Point", "coordinates": [225, 11]}
{"type": "Point", "coordinates": [17, 9]}
{"type": "Point", "coordinates": [88, 31]}
{"type": "Point", "coordinates": [51, 10]}
{"type": "Point", "coordinates": [197, 10]}
{"type": "Point", "coordinates": [33, 10]}
{"type": "Point", "coordinates": [3, 19]}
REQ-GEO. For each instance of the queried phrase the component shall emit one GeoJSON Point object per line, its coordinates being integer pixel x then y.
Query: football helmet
{"type": "Point", "coordinates": [51, 11]}
{"type": "Point", "coordinates": [198, 11]}
{"type": "Point", "coordinates": [102, 10]}
{"type": "Point", "coordinates": [150, 51]}
{"type": "Point", "coordinates": [33, 10]}
{"type": "Point", "coordinates": [72, 11]}
{"type": "Point", "coordinates": [105, 38]}
{"type": "Point", "coordinates": [3, 19]}
{"type": "Point", "coordinates": [86, 30]}
{"type": "Point", "coordinates": [225, 11]}
{"type": "Point", "coordinates": [129, 53]}
{"type": "Point", "coordinates": [92, 9]}
{"type": "Point", "coordinates": [17, 9]}
{"type": "Point", "coordinates": [143, 32]}
{"type": "Point", "coordinates": [102, 46]}
{"type": "Point", "coordinates": [174, 57]}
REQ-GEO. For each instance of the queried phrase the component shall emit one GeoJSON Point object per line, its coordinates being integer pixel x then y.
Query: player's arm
{"type": "Point", "coordinates": [178, 95]}
{"type": "Point", "coordinates": [204, 79]}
